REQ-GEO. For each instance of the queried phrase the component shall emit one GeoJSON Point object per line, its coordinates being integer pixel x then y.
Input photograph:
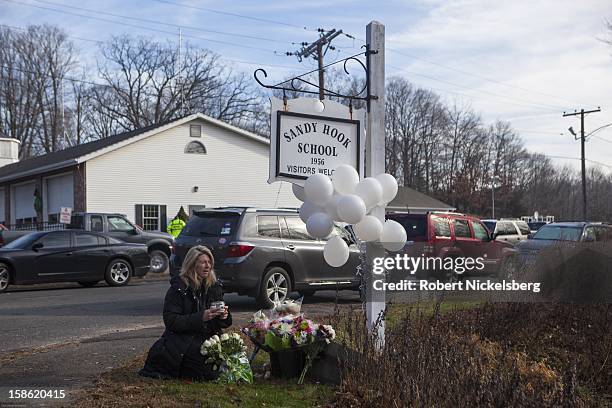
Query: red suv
{"type": "Point", "coordinates": [454, 235]}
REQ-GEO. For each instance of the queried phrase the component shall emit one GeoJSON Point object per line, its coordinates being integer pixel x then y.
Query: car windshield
{"type": "Point", "coordinates": [558, 233]}
{"type": "Point", "coordinates": [23, 242]}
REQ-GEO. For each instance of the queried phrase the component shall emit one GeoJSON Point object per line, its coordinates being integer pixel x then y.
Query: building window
{"type": "Point", "coordinates": [53, 218]}
{"type": "Point", "coordinates": [195, 130]}
{"type": "Point", "coordinates": [195, 147]}
{"type": "Point", "coordinates": [150, 217]}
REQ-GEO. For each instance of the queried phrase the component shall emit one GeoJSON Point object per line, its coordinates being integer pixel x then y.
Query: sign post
{"type": "Point", "coordinates": [375, 163]}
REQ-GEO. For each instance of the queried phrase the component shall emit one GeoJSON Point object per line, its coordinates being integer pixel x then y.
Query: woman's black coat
{"type": "Point", "coordinates": [185, 329]}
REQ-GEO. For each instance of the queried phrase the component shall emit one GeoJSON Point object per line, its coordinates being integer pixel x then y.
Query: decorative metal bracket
{"type": "Point", "coordinates": [293, 84]}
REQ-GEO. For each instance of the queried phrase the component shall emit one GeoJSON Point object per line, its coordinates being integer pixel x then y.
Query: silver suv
{"type": "Point", "coordinates": [509, 230]}
{"type": "Point", "coordinates": [265, 253]}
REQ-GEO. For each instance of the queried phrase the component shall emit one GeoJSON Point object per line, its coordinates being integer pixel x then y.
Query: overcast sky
{"type": "Point", "coordinates": [521, 61]}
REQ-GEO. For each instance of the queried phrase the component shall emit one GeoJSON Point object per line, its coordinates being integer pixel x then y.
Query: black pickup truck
{"type": "Point", "coordinates": [116, 225]}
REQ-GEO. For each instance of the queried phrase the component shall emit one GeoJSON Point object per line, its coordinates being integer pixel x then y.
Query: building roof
{"type": "Point", "coordinates": [86, 151]}
{"type": "Point", "coordinates": [408, 199]}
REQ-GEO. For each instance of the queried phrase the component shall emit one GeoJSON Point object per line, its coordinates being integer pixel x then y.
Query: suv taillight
{"type": "Point", "coordinates": [235, 250]}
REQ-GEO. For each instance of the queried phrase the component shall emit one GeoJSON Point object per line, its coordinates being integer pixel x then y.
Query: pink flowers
{"type": "Point", "coordinates": [287, 331]}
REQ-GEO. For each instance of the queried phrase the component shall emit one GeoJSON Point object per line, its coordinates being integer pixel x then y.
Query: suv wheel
{"type": "Point", "coordinates": [5, 277]}
{"type": "Point", "coordinates": [275, 287]}
{"type": "Point", "coordinates": [118, 272]}
{"type": "Point", "coordinates": [159, 261]}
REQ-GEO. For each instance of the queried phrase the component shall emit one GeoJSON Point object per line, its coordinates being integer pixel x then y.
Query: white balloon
{"type": "Point", "coordinates": [345, 179]}
{"type": "Point", "coordinates": [389, 187]}
{"type": "Point", "coordinates": [298, 192]}
{"type": "Point", "coordinates": [319, 225]}
{"type": "Point", "coordinates": [368, 229]}
{"type": "Point", "coordinates": [336, 252]}
{"type": "Point", "coordinates": [351, 208]}
{"type": "Point", "coordinates": [370, 190]}
{"type": "Point", "coordinates": [318, 188]}
{"type": "Point", "coordinates": [393, 236]}
{"type": "Point", "coordinates": [307, 209]}
{"type": "Point", "coordinates": [331, 207]}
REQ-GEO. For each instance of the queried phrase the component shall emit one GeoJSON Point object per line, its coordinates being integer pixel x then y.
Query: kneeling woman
{"type": "Point", "coordinates": [189, 321]}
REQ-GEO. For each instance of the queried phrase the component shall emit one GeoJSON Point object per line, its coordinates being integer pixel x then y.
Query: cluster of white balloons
{"type": "Point", "coordinates": [347, 199]}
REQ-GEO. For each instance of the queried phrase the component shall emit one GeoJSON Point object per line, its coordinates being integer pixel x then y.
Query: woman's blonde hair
{"type": "Point", "coordinates": [188, 270]}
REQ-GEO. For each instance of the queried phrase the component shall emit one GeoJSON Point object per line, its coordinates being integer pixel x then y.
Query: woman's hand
{"type": "Point", "coordinates": [210, 314]}
{"type": "Point", "coordinates": [223, 314]}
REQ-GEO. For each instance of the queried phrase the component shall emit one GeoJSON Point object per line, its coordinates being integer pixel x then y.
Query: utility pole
{"type": "Point", "coordinates": [375, 165]}
{"type": "Point", "coordinates": [582, 158]}
{"type": "Point", "coordinates": [307, 50]}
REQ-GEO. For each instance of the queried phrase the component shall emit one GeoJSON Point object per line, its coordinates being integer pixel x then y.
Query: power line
{"type": "Point", "coordinates": [546, 106]}
{"type": "Point", "coordinates": [530, 91]}
{"type": "Point", "coordinates": [70, 36]}
{"type": "Point", "coordinates": [226, 13]}
{"type": "Point", "coordinates": [102, 42]}
{"type": "Point", "coordinates": [575, 158]}
{"type": "Point", "coordinates": [602, 139]}
{"type": "Point", "coordinates": [122, 23]}
{"type": "Point", "coordinates": [150, 21]}
{"type": "Point", "coordinates": [478, 97]}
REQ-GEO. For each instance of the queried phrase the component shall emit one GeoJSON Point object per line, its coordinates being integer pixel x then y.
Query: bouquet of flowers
{"type": "Point", "coordinates": [257, 327]}
{"type": "Point", "coordinates": [288, 331]}
{"type": "Point", "coordinates": [228, 355]}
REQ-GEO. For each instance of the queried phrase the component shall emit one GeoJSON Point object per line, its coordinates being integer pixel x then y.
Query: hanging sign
{"type": "Point", "coordinates": [306, 142]}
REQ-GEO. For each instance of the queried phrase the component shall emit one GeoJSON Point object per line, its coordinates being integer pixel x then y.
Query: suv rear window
{"type": "Point", "coordinates": [211, 224]}
{"type": "Point", "coordinates": [416, 227]}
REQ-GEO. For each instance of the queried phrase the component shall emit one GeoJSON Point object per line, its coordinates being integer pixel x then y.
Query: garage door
{"type": "Point", "coordinates": [23, 203]}
{"type": "Point", "coordinates": [60, 193]}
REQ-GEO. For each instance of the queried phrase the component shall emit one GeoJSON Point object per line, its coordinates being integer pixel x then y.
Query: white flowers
{"type": "Point", "coordinates": [224, 337]}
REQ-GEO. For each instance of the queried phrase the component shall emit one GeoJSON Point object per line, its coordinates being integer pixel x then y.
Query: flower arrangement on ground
{"type": "Point", "coordinates": [228, 355]}
{"type": "Point", "coordinates": [290, 331]}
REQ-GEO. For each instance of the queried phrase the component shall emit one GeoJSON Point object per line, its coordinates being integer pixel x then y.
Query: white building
{"type": "Point", "coordinates": [146, 174]}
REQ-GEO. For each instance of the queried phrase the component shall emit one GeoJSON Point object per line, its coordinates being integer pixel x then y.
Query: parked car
{"type": "Point", "coordinates": [454, 235]}
{"type": "Point", "coordinates": [563, 233]}
{"type": "Point", "coordinates": [71, 256]}
{"type": "Point", "coordinates": [117, 226]}
{"type": "Point", "coordinates": [509, 230]}
{"type": "Point", "coordinates": [265, 253]}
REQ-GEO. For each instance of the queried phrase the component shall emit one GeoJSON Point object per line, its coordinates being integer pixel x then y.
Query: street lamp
{"type": "Point", "coordinates": [495, 181]}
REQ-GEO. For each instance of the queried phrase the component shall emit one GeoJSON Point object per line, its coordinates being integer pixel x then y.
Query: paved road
{"type": "Point", "coordinates": [63, 336]}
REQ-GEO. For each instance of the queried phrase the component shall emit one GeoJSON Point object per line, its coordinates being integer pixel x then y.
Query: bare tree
{"type": "Point", "coordinates": [152, 83]}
